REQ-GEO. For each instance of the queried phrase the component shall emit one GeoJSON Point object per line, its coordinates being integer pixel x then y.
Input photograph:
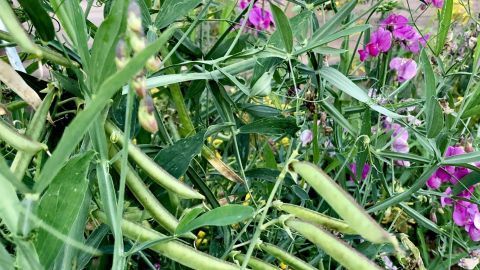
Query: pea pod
{"type": "Point", "coordinates": [18, 141]}
{"type": "Point", "coordinates": [285, 257]}
{"type": "Point", "coordinates": [336, 248]}
{"type": "Point", "coordinates": [254, 263]}
{"type": "Point", "coordinates": [315, 217]}
{"type": "Point", "coordinates": [172, 249]}
{"type": "Point", "coordinates": [343, 203]}
{"type": "Point", "coordinates": [159, 175]}
{"type": "Point", "coordinates": [146, 198]}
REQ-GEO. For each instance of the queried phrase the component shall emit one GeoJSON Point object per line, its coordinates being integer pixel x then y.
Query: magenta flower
{"type": "Point", "coordinates": [436, 3]}
{"type": "Point", "coordinates": [365, 171]}
{"type": "Point", "coordinates": [380, 42]}
{"type": "Point", "coordinates": [434, 182]}
{"type": "Point", "coordinates": [445, 199]}
{"type": "Point", "coordinates": [405, 68]}
{"type": "Point", "coordinates": [306, 137]}
{"type": "Point", "coordinates": [259, 18]}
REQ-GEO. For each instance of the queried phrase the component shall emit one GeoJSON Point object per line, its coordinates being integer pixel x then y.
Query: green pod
{"type": "Point", "coordinates": [18, 141]}
{"type": "Point", "coordinates": [159, 175]}
{"type": "Point", "coordinates": [337, 249]}
{"type": "Point", "coordinates": [172, 249]}
{"type": "Point", "coordinates": [315, 217]}
{"type": "Point", "coordinates": [285, 257]}
{"type": "Point", "coordinates": [146, 198]}
{"type": "Point", "coordinates": [254, 263]}
{"type": "Point", "coordinates": [343, 203]}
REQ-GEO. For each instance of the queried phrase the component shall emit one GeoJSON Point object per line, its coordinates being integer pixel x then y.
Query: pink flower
{"type": "Point", "coordinates": [405, 68]}
{"type": "Point", "coordinates": [259, 18]}
{"type": "Point", "coordinates": [380, 42]}
{"type": "Point", "coordinates": [365, 171]}
{"type": "Point", "coordinates": [404, 33]}
{"type": "Point", "coordinates": [434, 181]}
{"type": "Point", "coordinates": [445, 199]}
{"type": "Point", "coordinates": [306, 137]}
{"type": "Point", "coordinates": [436, 3]}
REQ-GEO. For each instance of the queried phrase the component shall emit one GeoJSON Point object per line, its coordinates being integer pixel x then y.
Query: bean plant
{"type": "Point", "coordinates": [239, 134]}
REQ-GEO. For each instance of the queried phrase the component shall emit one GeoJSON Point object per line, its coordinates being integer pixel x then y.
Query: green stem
{"type": "Point", "coordinates": [258, 230]}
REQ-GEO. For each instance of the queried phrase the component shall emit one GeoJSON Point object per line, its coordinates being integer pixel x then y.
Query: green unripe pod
{"type": "Point", "coordinates": [172, 249]}
{"type": "Point", "coordinates": [315, 217]}
{"type": "Point", "coordinates": [343, 203]}
{"type": "Point", "coordinates": [146, 198]}
{"type": "Point", "coordinates": [254, 263]}
{"type": "Point", "coordinates": [337, 249]}
{"type": "Point", "coordinates": [18, 141]}
{"type": "Point", "coordinates": [263, 86]}
{"type": "Point", "coordinates": [285, 257]}
{"type": "Point", "coordinates": [159, 175]}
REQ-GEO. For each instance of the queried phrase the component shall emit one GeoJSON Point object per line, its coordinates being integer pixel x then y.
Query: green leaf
{"type": "Point", "coordinates": [260, 110]}
{"type": "Point", "coordinates": [338, 117]}
{"type": "Point", "coordinates": [61, 204]}
{"type": "Point", "coordinates": [171, 10]}
{"type": "Point", "coordinates": [73, 134]}
{"type": "Point", "coordinates": [104, 45]}
{"type": "Point", "coordinates": [466, 182]}
{"type": "Point", "coordinates": [462, 159]}
{"type": "Point", "coordinates": [445, 21]}
{"type": "Point", "coordinates": [176, 158]}
{"type": "Point", "coordinates": [6, 260]}
{"type": "Point", "coordinates": [39, 18]}
{"type": "Point", "coordinates": [334, 22]}
{"type": "Point", "coordinates": [221, 216]}
{"type": "Point", "coordinates": [271, 126]}
{"type": "Point", "coordinates": [337, 79]}
{"type": "Point", "coordinates": [428, 76]}
{"type": "Point", "coordinates": [342, 33]}
{"type": "Point", "coordinates": [434, 118]}
{"type": "Point", "coordinates": [188, 217]}
{"type": "Point", "coordinates": [283, 26]}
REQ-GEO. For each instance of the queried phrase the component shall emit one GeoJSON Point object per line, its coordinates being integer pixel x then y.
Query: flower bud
{"type": "Point", "coordinates": [145, 115]}
{"type": "Point", "coordinates": [134, 19]}
{"type": "Point", "coordinates": [121, 54]}
{"type": "Point", "coordinates": [137, 43]}
{"type": "Point", "coordinates": [153, 64]}
{"type": "Point", "coordinates": [139, 84]}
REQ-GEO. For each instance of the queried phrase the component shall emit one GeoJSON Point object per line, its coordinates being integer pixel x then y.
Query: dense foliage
{"type": "Point", "coordinates": [299, 134]}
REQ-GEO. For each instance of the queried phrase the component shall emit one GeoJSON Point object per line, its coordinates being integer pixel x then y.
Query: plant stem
{"type": "Point", "coordinates": [258, 230]}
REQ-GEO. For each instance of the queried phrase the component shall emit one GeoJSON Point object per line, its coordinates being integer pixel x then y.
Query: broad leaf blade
{"type": "Point", "coordinates": [283, 26]}
{"type": "Point", "coordinates": [271, 126]}
{"type": "Point", "coordinates": [221, 216]}
{"type": "Point", "coordinates": [176, 158]}
{"type": "Point", "coordinates": [61, 204]}
{"type": "Point", "coordinates": [171, 10]}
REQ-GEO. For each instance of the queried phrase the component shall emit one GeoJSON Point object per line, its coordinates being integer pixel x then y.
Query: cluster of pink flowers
{"type": "Point", "coordinates": [259, 18]}
{"type": "Point", "coordinates": [395, 28]}
{"type": "Point", "coordinates": [465, 213]}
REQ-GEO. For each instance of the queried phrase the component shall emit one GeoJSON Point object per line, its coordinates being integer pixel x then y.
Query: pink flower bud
{"type": "Point", "coordinates": [145, 115]}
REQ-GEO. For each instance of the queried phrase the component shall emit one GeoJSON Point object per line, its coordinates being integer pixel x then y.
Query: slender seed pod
{"type": "Point", "coordinates": [254, 263]}
{"type": "Point", "coordinates": [174, 250]}
{"type": "Point", "coordinates": [18, 141]}
{"type": "Point", "coordinates": [343, 203]}
{"type": "Point", "coordinates": [285, 257]}
{"type": "Point", "coordinates": [336, 248]}
{"type": "Point", "coordinates": [315, 217]}
{"type": "Point", "coordinates": [146, 198]}
{"type": "Point", "coordinates": [159, 175]}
